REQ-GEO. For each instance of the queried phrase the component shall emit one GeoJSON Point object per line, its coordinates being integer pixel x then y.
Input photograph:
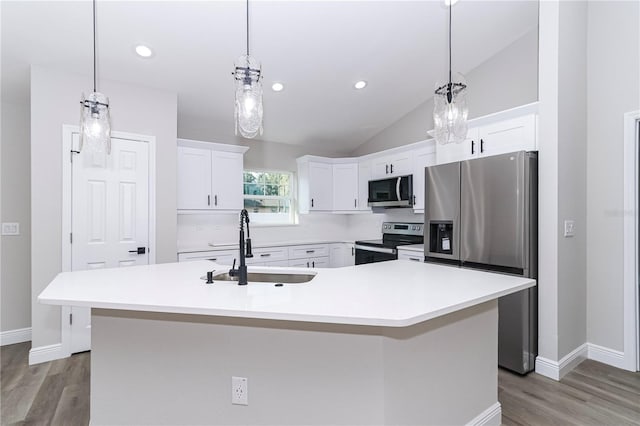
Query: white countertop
{"type": "Point", "coordinates": [393, 294]}
{"type": "Point", "coordinates": [414, 248]}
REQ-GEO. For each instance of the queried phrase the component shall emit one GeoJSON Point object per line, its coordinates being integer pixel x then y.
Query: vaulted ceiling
{"type": "Point", "coordinates": [318, 49]}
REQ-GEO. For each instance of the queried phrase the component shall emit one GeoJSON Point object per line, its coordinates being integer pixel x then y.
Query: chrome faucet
{"type": "Point", "coordinates": [245, 251]}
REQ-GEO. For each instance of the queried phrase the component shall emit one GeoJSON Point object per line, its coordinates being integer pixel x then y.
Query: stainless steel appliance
{"type": "Point", "coordinates": [391, 192]}
{"type": "Point", "coordinates": [482, 213]}
{"type": "Point", "coordinates": [394, 234]}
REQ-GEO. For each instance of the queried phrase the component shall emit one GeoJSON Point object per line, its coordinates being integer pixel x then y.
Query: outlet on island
{"type": "Point", "coordinates": [239, 391]}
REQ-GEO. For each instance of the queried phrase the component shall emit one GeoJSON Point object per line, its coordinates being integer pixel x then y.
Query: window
{"type": "Point", "coordinates": [268, 196]}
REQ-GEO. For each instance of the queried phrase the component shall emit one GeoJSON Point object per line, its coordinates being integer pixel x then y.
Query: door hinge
{"type": "Point", "coordinates": [70, 319]}
{"type": "Point", "coordinates": [70, 237]}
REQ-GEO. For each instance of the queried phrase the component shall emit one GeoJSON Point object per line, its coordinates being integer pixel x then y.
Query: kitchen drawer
{"type": "Point", "coordinates": [270, 254]}
{"type": "Point", "coordinates": [407, 255]}
{"type": "Point", "coordinates": [224, 257]}
{"type": "Point", "coordinates": [308, 250]}
{"type": "Point", "coordinates": [310, 262]}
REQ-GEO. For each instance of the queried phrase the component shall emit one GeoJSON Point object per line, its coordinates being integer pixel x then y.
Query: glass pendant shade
{"type": "Point", "coordinates": [450, 111]}
{"type": "Point", "coordinates": [248, 108]}
{"type": "Point", "coordinates": [95, 123]}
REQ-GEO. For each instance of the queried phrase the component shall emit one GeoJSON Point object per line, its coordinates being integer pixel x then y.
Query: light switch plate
{"type": "Point", "coordinates": [569, 228]}
{"type": "Point", "coordinates": [10, 228]}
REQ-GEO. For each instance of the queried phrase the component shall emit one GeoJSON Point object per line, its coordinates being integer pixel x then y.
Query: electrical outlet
{"type": "Point", "coordinates": [10, 228]}
{"type": "Point", "coordinates": [239, 391]}
{"type": "Point", "coordinates": [569, 228]}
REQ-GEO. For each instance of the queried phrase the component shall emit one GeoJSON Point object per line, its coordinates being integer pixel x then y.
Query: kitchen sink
{"type": "Point", "coordinates": [268, 277]}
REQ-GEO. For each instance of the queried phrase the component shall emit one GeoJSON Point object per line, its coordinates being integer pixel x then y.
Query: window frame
{"type": "Point", "coordinates": [273, 219]}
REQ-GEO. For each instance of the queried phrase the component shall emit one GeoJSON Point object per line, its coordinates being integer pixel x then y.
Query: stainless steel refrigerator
{"type": "Point", "coordinates": [482, 213]}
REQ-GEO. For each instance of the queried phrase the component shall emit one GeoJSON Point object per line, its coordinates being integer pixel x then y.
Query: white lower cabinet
{"type": "Point", "coordinates": [410, 255]}
{"type": "Point", "coordinates": [224, 257]}
{"type": "Point", "coordinates": [309, 256]}
{"type": "Point", "coordinates": [342, 254]}
{"type": "Point", "coordinates": [264, 255]}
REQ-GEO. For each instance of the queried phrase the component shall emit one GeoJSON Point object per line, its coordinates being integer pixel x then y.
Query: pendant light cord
{"type": "Point", "coordinates": [450, 3]}
{"type": "Point", "coordinates": [247, 27]}
{"type": "Point", "coordinates": [94, 45]}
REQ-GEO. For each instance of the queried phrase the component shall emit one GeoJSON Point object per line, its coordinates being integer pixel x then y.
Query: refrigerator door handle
{"type": "Point", "coordinates": [398, 188]}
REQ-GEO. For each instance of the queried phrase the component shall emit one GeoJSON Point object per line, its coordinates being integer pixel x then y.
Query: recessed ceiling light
{"type": "Point", "coordinates": [144, 51]}
{"type": "Point", "coordinates": [277, 87]}
{"type": "Point", "coordinates": [360, 84]}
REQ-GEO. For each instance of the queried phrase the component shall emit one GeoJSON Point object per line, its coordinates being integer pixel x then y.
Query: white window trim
{"type": "Point", "coordinates": [258, 220]}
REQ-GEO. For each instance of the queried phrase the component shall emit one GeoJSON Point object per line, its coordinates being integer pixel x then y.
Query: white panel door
{"type": "Point", "coordinates": [226, 180]}
{"type": "Point", "coordinates": [345, 186]}
{"type": "Point", "coordinates": [194, 178]}
{"type": "Point", "coordinates": [110, 217]}
{"type": "Point", "coordinates": [401, 164]}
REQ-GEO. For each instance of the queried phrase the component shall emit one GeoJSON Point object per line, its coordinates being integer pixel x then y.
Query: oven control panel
{"type": "Point", "coordinates": [403, 228]}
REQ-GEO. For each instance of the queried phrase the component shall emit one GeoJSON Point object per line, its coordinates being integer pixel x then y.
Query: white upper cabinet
{"type": "Point", "coordinates": [345, 187]}
{"type": "Point", "coordinates": [515, 132]}
{"type": "Point", "coordinates": [226, 184]}
{"type": "Point", "coordinates": [511, 135]}
{"type": "Point", "coordinates": [423, 157]}
{"type": "Point", "coordinates": [397, 164]}
{"type": "Point", "coordinates": [194, 178]}
{"type": "Point", "coordinates": [364, 175]}
{"type": "Point", "coordinates": [315, 185]}
{"type": "Point", "coordinates": [209, 176]}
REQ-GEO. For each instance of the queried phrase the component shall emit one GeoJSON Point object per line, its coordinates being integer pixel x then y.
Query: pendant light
{"type": "Point", "coordinates": [450, 105]}
{"type": "Point", "coordinates": [95, 122]}
{"type": "Point", "coordinates": [248, 105]}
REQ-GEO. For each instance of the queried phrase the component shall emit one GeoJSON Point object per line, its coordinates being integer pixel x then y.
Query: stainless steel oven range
{"type": "Point", "coordinates": [394, 234]}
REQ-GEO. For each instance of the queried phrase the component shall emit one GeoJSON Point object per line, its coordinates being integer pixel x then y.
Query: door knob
{"type": "Point", "coordinates": [139, 250]}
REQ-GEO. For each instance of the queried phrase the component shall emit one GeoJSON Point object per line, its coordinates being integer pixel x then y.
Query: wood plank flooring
{"type": "Point", "coordinates": [57, 393]}
{"type": "Point", "coordinates": [51, 393]}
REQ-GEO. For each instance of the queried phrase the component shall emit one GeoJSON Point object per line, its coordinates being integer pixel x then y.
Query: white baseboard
{"type": "Point", "coordinates": [492, 416]}
{"type": "Point", "coordinates": [606, 355]}
{"type": "Point", "coordinates": [11, 337]}
{"type": "Point", "coordinates": [46, 353]}
{"type": "Point", "coordinates": [557, 369]}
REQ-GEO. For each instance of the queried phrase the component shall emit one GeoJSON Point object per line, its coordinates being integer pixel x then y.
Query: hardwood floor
{"type": "Point", "coordinates": [57, 393]}
{"type": "Point", "coordinates": [51, 393]}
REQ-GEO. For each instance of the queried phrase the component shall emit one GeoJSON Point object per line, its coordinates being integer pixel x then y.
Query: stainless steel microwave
{"type": "Point", "coordinates": [391, 192]}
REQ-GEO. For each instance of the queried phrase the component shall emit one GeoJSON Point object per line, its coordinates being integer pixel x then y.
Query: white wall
{"type": "Point", "coordinates": [506, 80]}
{"type": "Point", "coordinates": [15, 288]}
{"type": "Point", "coordinates": [54, 102]}
{"type": "Point", "coordinates": [572, 133]}
{"type": "Point", "coordinates": [613, 82]}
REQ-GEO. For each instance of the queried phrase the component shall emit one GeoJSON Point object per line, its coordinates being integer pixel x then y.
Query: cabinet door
{"type": "Point", "coordinates": [408, 255]}
{"type": "Point", "coordinates": [337, 255]}
{"type": "Point", "coordinates": [318, 262]}
{"type": "Point", "coordinates": [364, 174]}
{"type": "Point", "coordinates": [401, 164]}
{"type": "Point", "coordinates": [223, 257]}
{"type": "Point", "coordinates": [507, 136]}
{"type": "Point", "coordinates": [194, 178]}
{"type": "Point", "coordinates": [422, 159]}
{"type": "Point", "coordinates": [226, 181]}
{"type": "Point", "coordinates": [380, 167]}
{"type": "Point", "coordinates": [349, 254]}
{"type": "Point", "coordinates": [283, 262]}
{"type": "Point", "coordinates": [465, 150]}
{"type": "Point", "coordinates": [345, 186]}
{"type": "Point", "coordinates": [320, 186]}
{"type": "Point", "coordinates": [299, 263]}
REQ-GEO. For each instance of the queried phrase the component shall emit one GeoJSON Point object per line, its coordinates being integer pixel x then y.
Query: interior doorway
{"type": "Point", "coordinates": [109, 212]}
{"type": "Point", "coordinates": [631, 270]}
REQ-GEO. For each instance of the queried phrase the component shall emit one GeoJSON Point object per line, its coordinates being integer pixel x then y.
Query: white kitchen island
{"type": "Point", "coordinates": [385, 343]}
